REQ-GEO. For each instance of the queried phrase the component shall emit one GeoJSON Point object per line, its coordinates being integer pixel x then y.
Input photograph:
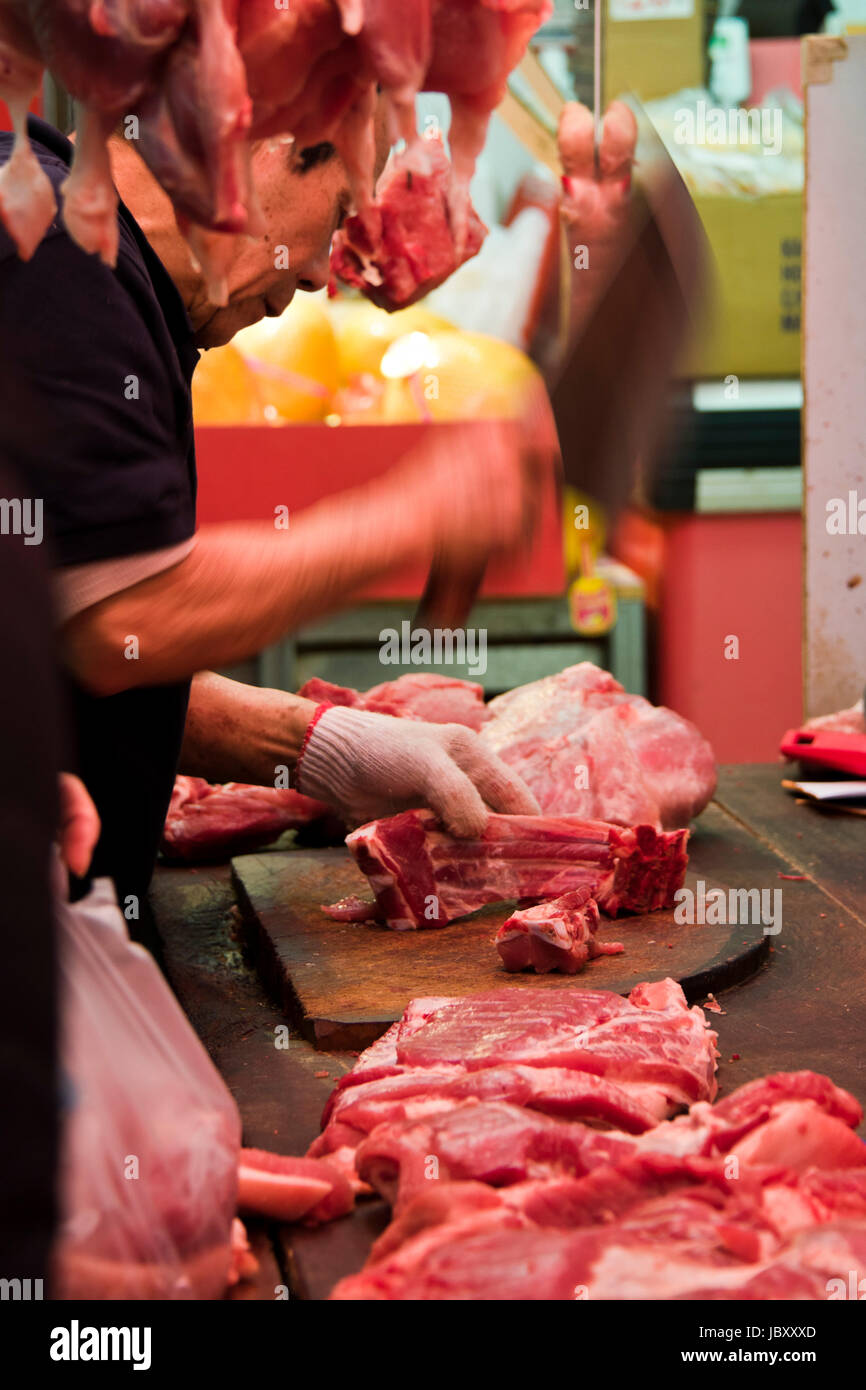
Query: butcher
{"type": "Point", "coordinates": [95, 413]}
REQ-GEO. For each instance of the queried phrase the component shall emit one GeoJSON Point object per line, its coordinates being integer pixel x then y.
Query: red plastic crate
{"type": "Point", "coordinates": [245, 471]}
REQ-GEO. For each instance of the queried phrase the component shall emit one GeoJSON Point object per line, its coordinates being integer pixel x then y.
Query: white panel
{"type": "Point", "coordinates": [834, 368]}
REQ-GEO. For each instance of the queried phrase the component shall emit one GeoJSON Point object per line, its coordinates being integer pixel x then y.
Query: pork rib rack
{"type": "Point", "coordinates": [423, 877]}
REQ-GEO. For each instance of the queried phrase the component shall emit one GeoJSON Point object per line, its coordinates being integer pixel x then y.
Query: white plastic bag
{"type": "Point", "coordinates": [151, 1134]}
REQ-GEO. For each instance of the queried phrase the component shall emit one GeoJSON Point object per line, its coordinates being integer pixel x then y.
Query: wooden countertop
{"type": "Point", "coordinates": [804, 1009]}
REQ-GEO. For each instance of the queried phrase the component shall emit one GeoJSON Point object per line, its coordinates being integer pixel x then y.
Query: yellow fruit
{"type": "Point", "coordinates": [294, 359]}
{"type": "Point", "coordinates": [364, 332]}
{"type": "Point", "coordinates": [457, 376]}
{"type": "Point", "coordinates": [224, 390]}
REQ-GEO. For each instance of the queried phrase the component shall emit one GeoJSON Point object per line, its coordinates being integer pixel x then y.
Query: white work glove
{"type": "Point", "coordinates": [372, 765]}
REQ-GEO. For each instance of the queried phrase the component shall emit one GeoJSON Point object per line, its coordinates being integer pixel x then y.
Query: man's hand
{"type": "Point", "coordinates": [371, 765]}
{"type": "Point", "coordinates": [78, 828]}
{"type": "Point", "coordinates": [477, 487]}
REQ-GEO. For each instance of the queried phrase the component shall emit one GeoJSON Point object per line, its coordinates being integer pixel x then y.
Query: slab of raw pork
{"type": "Point", "coordinates": [586, 748]}
{"type": "Point", "coordinates": [695, 1234]}
{"type": "Point", "coordinates": [579, 1054]}
{"type": "Point", "coordinates": [208, 822]}
{"type": "Point", "coordinates": [436, 699]}
{"type": "Point", "coordinates": [798, 1119]}
{"type": "Point", "coordinates": [423, 877]}
{"type": "Point", "coordinates": [501, 1144]}
{"type": "Point", "coordinates": [555, 935]}
{"type": "Point", "coordinates": [666, 1214]}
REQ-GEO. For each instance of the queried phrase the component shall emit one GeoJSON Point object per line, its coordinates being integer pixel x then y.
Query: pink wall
{"type": "Point", "coordinates": [733, 576]}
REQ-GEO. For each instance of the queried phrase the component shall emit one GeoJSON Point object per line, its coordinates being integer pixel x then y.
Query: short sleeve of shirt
{"type": "Point", "coordinates": [95, 413]}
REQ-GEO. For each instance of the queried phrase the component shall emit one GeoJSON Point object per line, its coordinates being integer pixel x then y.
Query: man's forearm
{"type": "Point", "coordinates": [243, 586]}
{"type": "Point", "coordinates": [239, 733]}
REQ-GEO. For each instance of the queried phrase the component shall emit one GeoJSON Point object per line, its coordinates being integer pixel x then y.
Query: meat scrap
{"type": "Point", "coordinates": [587, 748]}
{"type": "Point", "coordinates": [557, 935]}
{"type": "Point", "coordinates": [436, 699]}
{"type": "Point", "coordinates": [423, 877]}
{"type": "Point", "coordinates": [289, 1189]}
{"type": "Point", "coordinates": [350, 909]}
{"type": "Point", "coordinates": [207, 823]}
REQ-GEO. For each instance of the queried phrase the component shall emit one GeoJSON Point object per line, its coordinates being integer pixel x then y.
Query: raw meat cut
{"type": "Point", "coordinates": [404, 245]}
{"type": "Point", "coordinates": [489, 1141]}
{"type": "Point", "coordinates": [555, 935]}
{"type": "Point", "coordinates": [549, 1052]}
{"type": "Point", "coordinates": [436, 699]}
{"type": "Point", "coordinates": [205, 77]}
{"type": "Point", "coordinates": [501, 1144]}
{"type": "Point", "coordinates": [661, 1221]}
{"type": "Point", "coordinates": [419, 1092]}
{"type": "Point", "coordinates": [206, 822]}
{"type": "Point", "coordinates": [287, 1189]}
{"type": "Point", "coordinates": [423, 877]}
{"type": "Point", "coordinates": [706, 1239]}
{"type": "Point", "coordinates": [585, 747]}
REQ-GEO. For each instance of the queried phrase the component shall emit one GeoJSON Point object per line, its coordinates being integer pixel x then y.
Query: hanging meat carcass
{"type": "Point", "coordinates": [106, 55]}
{"type": "Point", "coordinates": [203, 78]}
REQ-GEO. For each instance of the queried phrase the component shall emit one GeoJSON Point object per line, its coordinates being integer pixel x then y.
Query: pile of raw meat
{"type": "Point", "coordinates": [530, 1149]}
{"type": "Point", "coordinates": [581, 743]}
{"type": "Point", "coordinates": [202, 79]}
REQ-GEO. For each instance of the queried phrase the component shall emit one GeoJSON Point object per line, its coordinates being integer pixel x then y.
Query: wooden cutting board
{"type": "Point", "coordinates": [342, 983]}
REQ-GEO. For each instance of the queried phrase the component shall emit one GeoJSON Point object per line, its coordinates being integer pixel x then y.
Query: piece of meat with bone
{"type": "Point", "coordinates": [637, 763]}
{"type": "Point", "coordinates": [406, 243]}
{"type": "Point", "coordinates": [194, 125]}
{"type": "Point", "coordinates": [475, 47]}
{"type": "Point", "coordinates": [207, 822]}
{"type": "Point", "coordinates": [556, 935]}
{"type": "Point", "coordinates": [423, 877]}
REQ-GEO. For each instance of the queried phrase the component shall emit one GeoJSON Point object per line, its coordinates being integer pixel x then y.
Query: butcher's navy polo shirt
{"type": "Point", "coordinates": [96, 420]}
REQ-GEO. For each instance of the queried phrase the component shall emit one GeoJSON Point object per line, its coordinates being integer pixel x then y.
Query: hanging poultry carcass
{"type": "Point", "coordinates": [202, 79]}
